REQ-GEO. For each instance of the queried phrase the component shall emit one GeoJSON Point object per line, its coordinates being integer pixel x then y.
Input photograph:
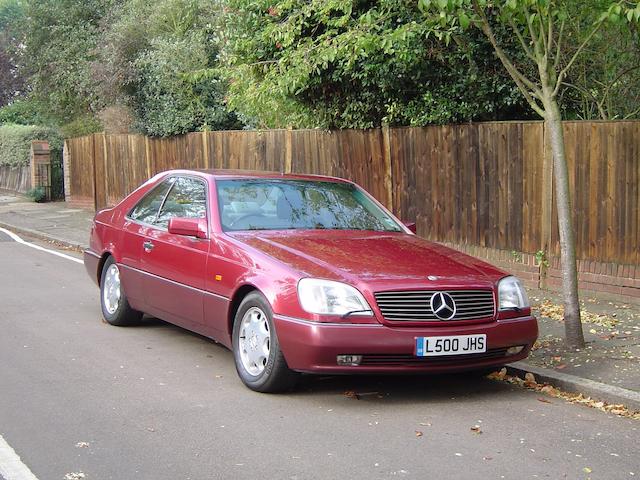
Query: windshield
{"type": "Point", "coordinates": [266, 204]}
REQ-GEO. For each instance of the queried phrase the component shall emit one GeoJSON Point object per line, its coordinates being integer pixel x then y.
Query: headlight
{"type": "Point", "coordinates": [511, 294]}
{"type": "Point", "coordinates": [331, 298]}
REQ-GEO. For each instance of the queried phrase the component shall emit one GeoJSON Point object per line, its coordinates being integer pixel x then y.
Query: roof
{"type": "Point", "coordinates": [246, 174]}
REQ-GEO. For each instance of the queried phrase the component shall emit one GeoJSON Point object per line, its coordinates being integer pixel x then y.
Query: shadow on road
{"type": "Point", "coordinates": [398, 389]}
{"type": "Point", "coordinates": [371, 389]}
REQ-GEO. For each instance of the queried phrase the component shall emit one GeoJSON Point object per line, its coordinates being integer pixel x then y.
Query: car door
{"type": "Point", "coordinates": [175, 265]}
{"type": "Point", "coordinates": [134, 230]}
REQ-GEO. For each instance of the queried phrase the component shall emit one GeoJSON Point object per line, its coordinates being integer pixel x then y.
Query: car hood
{"type": "Point", "coordinates": [383, 260]}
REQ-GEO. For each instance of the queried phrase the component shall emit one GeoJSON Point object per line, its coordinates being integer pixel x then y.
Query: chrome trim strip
{"type": "Point", "coordinates": [323, 324]}
{"type": "Point", "coordinates": [91, 252]}
{"type": "Point", "coordinates": [122, 265]}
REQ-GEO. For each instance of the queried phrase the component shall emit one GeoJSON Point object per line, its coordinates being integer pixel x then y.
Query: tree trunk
{"type": "Point", "coordinates": [572, 324]}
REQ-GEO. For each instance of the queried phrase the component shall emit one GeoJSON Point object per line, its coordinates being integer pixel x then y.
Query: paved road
{"type": "Point", "coordinates": [157, 402]}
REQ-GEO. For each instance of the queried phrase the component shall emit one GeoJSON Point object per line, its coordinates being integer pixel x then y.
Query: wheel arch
{"type": "Point", "coordinates": [236, 300]}
{"type": "Point", "coordinates": [103, 259]}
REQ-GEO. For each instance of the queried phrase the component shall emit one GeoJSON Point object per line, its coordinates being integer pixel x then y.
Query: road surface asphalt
{"type": "Point", "coordinates": [78, 396]}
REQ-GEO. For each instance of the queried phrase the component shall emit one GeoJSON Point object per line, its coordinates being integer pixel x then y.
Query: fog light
{"type": "Point", "coordinates": [351, 360]}
{"type": "Point", "coordinates": [514, 350]}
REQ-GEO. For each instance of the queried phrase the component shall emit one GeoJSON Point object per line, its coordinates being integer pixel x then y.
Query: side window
{"type": "Point", "coordinates": [187, 199]}
{"type": "Point", "coordinates": [146, 209]}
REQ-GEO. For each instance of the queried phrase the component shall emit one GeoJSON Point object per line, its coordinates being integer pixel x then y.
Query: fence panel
{"type": "Point", "coordinates": [484, 184]}
{"type": "Point", "coordinates": [81, 174]}
{"type": "Point", "coordinates": [603, 172]}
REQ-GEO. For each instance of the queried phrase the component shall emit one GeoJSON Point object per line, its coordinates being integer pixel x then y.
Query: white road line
{"type": "Point", "coordinates": [38, 247]}
{"type": "Point", "coordinates": [11, 467]}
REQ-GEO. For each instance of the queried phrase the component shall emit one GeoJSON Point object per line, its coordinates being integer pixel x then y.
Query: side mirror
{"type": "Point", "coordinates": [189, 227]}
{"type": "Point", "coordinates": [411, 226]}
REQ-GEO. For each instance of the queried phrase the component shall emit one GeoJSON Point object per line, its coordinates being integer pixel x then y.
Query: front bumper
{"type": "Point", "coordinates": [314, 347]}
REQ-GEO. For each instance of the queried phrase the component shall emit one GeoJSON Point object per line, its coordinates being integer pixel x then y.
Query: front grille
{"type": "Point", "coordinates": [384, 360]}
{"type": "Point", "coordinates": [415, 305]}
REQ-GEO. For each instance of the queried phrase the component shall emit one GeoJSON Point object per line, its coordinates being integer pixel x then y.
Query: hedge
{"type": "Point", "coordinates": [15, 142]}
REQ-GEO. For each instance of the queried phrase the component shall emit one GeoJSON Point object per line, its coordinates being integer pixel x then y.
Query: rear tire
{"type": "Point", "coordinates": [256, 350]}
{"type": "Point", "coordinates": [115, 306]}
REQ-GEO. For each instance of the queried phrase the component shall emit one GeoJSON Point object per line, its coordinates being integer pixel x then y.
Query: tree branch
{"type": "Point", "coordinates": [523, 43]}
{"type": "Point", "coordinates": [529, 90]}
{"type": "Point", "coordinates": [556, 61]}
{"type": "Point", "coordinates": [543, 35]}
{"type": "Point", "coordinates": [550, 32]}
{"type": "Point", "coordinates": [564, 71]}
{"type": "Point", "coordinates": [587, 92]}
{"type": "Point", "coordinates": [632, 114]}
{"type": "Point", "coordinates": [532, 32]}
{"type": "Point", "coordinates": [610, 85]}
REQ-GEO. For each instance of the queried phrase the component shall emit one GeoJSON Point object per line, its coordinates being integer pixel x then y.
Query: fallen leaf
{"type": "Point", "coordinates": [418, 433]}
{"type": "Point", "coordinates": [544, 400]}
{"type": "Point", "coordinates": [74, 476]}
{"type": "Point", "coordinates": [561, 366]}
{"type": "Point", "coordinates": [351, 394]}
{"type": "Point", "coordinates": [586, 470]}
{"type": "Point", "coordinates": [498, 375]}
{"type": "Point", "coordinates": [476, 429]}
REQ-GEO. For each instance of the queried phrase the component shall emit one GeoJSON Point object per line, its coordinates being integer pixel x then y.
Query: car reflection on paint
{"type": "Point", "coordinates": [301, 273]}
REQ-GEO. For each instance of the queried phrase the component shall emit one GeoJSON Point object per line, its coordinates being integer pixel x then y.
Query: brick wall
{"type": "Point", "coordinates": [621, 282]}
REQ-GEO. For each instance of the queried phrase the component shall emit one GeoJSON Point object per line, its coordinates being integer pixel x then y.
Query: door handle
{"type": "Point", "coordinates": [148, 246]}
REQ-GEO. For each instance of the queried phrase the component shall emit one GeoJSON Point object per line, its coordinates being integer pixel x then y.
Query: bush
{"type": "Point", "coordinates": [15, 142]}
{"type": "Point", "coordinates": [80, 127]}
{"type": "Point", "coordinates": [36, 194]}
{"type": "Point", "coordinates": [25, 111]}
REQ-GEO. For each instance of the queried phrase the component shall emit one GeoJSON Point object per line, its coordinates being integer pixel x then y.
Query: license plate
{"type": "Point", "coordinates": [451, 345]}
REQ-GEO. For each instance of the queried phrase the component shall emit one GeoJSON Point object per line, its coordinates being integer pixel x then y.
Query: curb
{"type": "Point", "coordinates": [570, 383]}
{"type": "Point", "coordinates": [43, 236]}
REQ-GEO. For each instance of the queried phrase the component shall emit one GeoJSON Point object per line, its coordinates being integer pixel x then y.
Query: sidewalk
{"type": "Point", "coordinates": [49, 221]}
{"type": "Point", "coordinates": [608, 369]}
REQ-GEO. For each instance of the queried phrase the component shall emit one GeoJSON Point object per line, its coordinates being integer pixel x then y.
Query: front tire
{"type": "Point", "coordinates": [115, 306]}
{"type": "Point", "coordinates": [256, 350]}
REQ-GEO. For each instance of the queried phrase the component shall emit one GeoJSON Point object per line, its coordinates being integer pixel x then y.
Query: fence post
{"type": "Point", "coordinates": [288, 150]}
{"type": "Point", "coordinates": [66, 171]}
{"type": "Point", "coordinates": [93, 167]}
{"type": "Point", "coordinates": [388, 167]}
{"type": "Point", "coordinates": [147, 155]}
{"type": "Point", "coordinates": [205, 147]}
{"type": "Point", "coordinates": [546, 216]}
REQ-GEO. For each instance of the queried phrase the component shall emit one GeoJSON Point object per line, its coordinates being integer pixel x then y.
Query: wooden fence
{"type": "Point", "coordinates": [484, 184]}
{"type": "Point", "coordinates": [15, 179]}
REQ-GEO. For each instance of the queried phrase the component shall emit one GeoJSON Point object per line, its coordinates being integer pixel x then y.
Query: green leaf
{"type": "Point", "coordinates": [464, 20]}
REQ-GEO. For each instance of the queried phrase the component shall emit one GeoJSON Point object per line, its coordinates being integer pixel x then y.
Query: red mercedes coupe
{"type": "Point", "coordinates": [301, 273]}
